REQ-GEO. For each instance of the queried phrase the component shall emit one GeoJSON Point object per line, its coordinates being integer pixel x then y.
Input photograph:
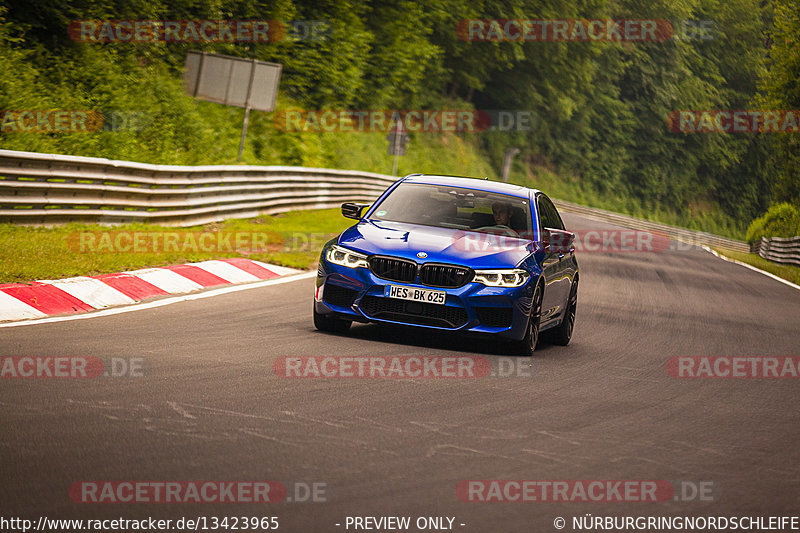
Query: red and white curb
{"type": "Point", "coordinates": [45, 298]}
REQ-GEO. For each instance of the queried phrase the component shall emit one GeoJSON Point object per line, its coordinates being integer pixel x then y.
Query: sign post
{"type": "Point", "coordinates": [397, 143]}
{"type": "Point", "coordinates": [247, 106]}
{"type": "Point", "coordinates": [507, 157]}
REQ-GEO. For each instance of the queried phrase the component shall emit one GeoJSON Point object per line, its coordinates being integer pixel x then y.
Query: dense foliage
{"type": "Point", "coordinates": [781, 220]}
{"type": "Point", "coordinates": [600, 108]}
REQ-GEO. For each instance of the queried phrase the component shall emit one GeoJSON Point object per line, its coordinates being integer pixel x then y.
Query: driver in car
{"type": "Point", "coordinates": [502, 220]}
{"type": "Point", "coordinates": [502, 214]}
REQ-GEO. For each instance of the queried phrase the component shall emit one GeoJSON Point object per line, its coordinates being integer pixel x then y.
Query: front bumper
{"type": "Point", "coordinates": [357, 294]}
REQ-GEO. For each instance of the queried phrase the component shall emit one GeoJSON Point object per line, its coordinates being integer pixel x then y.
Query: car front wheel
{"type": "Point", "coordinates": [330, 324]}
{"type": "Point", "coordinates": [528, 344]}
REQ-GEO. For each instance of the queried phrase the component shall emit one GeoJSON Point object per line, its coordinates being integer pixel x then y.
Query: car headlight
{"type": "Point", "coordinates": [502, 278]}
{"type": "Point", "coordinates": [347, 258]}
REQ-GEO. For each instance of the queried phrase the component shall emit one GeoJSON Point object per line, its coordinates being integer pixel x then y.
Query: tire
{"type": "Point", "coordinates": [330, 324]}
{"type": "Point", "coordinates": [528, 344]}
{"type": "Point", "coordinates": [563, 333]}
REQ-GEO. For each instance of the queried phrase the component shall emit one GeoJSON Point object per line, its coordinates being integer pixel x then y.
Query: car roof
{"type": "Point", "coordinates": [471, 183]}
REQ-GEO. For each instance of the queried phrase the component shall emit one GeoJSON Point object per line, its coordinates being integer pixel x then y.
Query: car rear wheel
{"type": "Point", "coordinates": [330, 324]}
{"type": "Point", "coordinates": [528, 344]}
{"type": "Point", "coordinates": [563, 333]}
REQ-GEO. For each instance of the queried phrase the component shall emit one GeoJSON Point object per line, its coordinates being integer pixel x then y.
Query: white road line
{"type": "Point", "coordinates": [162, 303]}
{"type": "Point", "coordinates": [751, 267]}
{"type": "Point", "coordinates": [91, 291]}
{"type": "Point", "coordinates": [13, 309]}
{"type": "Point", "coordinates": [226, 271]}
{"type": "Point", "coordinates": [166, 280]}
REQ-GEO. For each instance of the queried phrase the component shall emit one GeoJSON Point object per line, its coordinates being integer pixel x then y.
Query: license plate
{"type": "Point", "coordinates": [414, 294]}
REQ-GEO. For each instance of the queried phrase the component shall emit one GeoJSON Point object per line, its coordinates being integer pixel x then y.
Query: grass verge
{"type": "Point", "coordinates": [787, 272]}
{"type": "Point", "coordinates": [290, 239]}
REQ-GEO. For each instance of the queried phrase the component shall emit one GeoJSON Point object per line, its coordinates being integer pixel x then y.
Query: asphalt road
{"type": "Point", "coordinates": [209, 406]}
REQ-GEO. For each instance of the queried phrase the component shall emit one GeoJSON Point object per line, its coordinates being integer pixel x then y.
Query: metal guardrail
{"type": "Point", "coordinates": [778, 249]}
{"type": "Point", "coordinates": [47, 189]}
{"type": "Point", "coordinates": [698, 238]}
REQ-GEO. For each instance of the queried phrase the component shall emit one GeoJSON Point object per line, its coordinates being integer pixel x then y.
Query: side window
{"type": "Point", "coordinates": [545, 214]}
{"type": "Point", "coordinates": [542, 213]}
{"type": "Point", "coordinates": [560, 222]}
{"type": "Point", "coordinates": [557, 222]}
{"type": "Point", "coordinates": [549, 214]}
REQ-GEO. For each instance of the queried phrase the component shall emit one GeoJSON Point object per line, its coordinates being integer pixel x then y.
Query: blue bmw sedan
{"type": "Point", "coordinates": [455, 254]}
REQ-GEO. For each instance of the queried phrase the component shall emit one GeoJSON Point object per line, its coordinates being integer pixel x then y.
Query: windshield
{"type": "Point", "coordinates": [457, 208]}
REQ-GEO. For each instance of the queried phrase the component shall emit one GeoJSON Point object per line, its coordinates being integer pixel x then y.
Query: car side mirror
{"type": "Point", "coordinates": [560, 241]}
{"type": "Point", "coordinates": [353, 210]}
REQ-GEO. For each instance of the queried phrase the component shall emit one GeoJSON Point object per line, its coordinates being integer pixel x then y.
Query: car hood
{"type": "Point", "coordinates": [443, 245]}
